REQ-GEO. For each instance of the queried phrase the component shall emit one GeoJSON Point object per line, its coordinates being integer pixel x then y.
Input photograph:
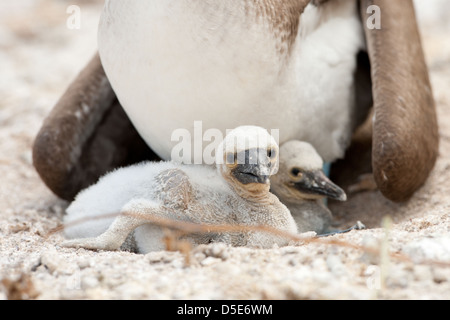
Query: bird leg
{"type": "Point", "coordinates": [133, 215]}
{"type": "Point", "coordinates": [86, 135]}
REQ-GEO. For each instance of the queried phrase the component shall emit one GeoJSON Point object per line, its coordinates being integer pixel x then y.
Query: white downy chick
{"type": "Point", "coordinates": [302, 185]}
{"type": "Point", "coordinates": [236, 192]}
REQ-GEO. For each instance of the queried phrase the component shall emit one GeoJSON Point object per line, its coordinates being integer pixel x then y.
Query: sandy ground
{"type": "Point", "coordinates": [39, 56]}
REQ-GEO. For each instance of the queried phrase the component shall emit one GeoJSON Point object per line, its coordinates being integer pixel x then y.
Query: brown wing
{"type": "Point", "coordinates": [86, 135]}
{"type": "Point", "coordinates": [405, 132]}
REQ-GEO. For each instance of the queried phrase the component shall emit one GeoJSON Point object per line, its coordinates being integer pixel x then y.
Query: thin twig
{"type": "Point", "coordinates": [186, 228]}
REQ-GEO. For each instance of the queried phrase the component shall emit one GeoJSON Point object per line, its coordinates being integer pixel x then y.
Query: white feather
{"type": "Point", "coordinates": [174, 62]}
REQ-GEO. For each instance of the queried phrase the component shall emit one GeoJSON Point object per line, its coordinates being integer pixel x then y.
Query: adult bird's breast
{"type": "Point", "coordinates": [230, 63]}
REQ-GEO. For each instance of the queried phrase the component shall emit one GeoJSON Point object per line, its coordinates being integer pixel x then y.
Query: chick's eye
{"type": "Point", "coordinates": [271, 153]}
{"type": "Point", "coordinates": [296, 172]}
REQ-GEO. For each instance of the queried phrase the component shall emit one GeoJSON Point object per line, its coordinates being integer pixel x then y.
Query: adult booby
{"type": "Point", "coordinates": [236, 192]}
{"type": "Point", "coordinates": [234, 62]}
{"type": "Point", "coordinates": [279, 64]}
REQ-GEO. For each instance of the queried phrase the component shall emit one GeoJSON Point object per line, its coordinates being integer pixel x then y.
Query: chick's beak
{"type": "Point", "coordinates": [251, 174]}
{"type": "Point", "coordinates": [254, 167]}
{"type": "Point", "coordinates": [317, 183]}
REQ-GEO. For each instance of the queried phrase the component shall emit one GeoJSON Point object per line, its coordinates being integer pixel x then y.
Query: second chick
{"type": "Point", "coordinates": [301, 185]}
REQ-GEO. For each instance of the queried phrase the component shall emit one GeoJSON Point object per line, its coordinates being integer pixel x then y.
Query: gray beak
{"type": "Point", "coordinates": [317, 183]}
{"type": "Point", "coordinates": [253, 166]}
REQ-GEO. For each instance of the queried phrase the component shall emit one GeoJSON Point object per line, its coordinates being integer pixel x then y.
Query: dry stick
{"type": "Point", "coordinates": [185, 228]}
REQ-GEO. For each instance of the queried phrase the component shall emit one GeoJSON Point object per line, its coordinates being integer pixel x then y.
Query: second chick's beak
{"type": "Point", "coordinates": [317, 183]}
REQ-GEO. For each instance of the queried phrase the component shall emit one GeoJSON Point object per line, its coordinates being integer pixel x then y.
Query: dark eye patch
{"type": "Point", "coordinates": [271, 153]}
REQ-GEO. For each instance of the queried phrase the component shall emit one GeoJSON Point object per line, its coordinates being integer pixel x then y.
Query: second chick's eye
{"type": "Point", "coordinates": [296, 172]}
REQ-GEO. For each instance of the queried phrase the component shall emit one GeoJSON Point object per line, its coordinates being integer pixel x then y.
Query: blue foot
{"type": "Point", "coordinates": [327, 169]}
